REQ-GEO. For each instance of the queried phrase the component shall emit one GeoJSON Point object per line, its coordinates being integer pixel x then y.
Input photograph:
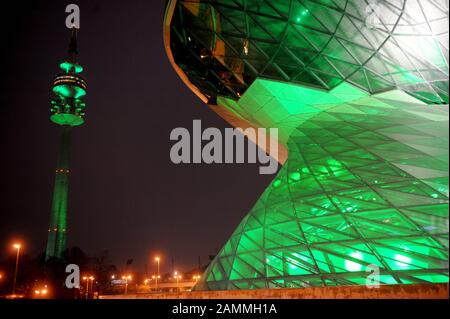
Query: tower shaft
{"type": "Point", "coordinates": [56, 243]}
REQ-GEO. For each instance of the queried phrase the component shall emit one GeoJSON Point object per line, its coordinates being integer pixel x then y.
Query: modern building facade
{"type": "Point", "coordinates": [359, 93]}
{"type": "Point", "coordinates": [68, 111]}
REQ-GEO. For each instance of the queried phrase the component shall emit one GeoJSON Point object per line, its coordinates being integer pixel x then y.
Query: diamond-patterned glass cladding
{"type": "Point", "coordinates": [366, 183]}
{"type": "Point", "coordinates": [375, 45]}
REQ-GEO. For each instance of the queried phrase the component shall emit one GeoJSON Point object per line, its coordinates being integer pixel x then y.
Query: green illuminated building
{"type": "Point", "coordinates": [67, 110]}
{"type": "Point", "coordinates": [359, 93]}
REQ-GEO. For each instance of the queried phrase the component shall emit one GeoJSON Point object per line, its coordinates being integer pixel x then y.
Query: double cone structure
{"type": "Point", "coordinates": [358, 91]}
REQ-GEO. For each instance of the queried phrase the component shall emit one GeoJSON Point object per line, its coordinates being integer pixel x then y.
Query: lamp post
{"type": "Point", "coordinates": [154, 278]}
{"type": "Point", "coordinates": [87, 286]}
{"type": "Point", "coordinates": [126, 278]}
{"type": "Point", "coordinates": [146, 281]}
{"type": "Point", "coordinates": [157, 259]}
{"type": "Point", "coordinates": [91, 278]}
{"type": "Point", "coordinates": [16, 246]}
{"type": "Point", "coordinates": [177, 277]}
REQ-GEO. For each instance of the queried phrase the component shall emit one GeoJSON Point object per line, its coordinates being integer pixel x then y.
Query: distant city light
{"type": "Point", "coordinates": [41, 292]}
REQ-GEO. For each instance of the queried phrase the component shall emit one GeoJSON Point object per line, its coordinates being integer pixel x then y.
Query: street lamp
{"type": "Point", "coordinates": [16, 246]}
{"type": "Point", "coordinates": [154, 278]}
{"type": "Point", "coordinates": [126, 278]}
{"type": "Point", "coordinates": [177, 277]}
{"type": "Point", "coordinates": [87, 286]}
{"type": "Point", "coordinates": [196, 278]}
{"type": "Point", "coordinates": [157, 259]}
{"type": "Point", "coordinates": [91, 278]}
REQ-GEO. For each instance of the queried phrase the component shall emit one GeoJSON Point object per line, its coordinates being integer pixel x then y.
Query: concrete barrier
{"type": "Point", "coordinates": [421, 291]}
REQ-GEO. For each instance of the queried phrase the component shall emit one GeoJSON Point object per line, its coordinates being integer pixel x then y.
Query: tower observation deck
{"type": "Point", "coordinates": [68, 111]}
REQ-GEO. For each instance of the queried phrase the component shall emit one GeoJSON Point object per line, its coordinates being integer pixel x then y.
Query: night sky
{"type": "Point", "coordinates": [125, 194]}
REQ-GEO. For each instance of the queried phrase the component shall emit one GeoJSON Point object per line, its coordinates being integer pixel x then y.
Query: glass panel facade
{"type": "Point", "coordinates": [358, 90]}
{"type": "Point", "coordinates": [366, 183]}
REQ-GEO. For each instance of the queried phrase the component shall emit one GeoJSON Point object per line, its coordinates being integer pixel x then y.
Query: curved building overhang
{"type": "Point", "coordinates": [218, 107]}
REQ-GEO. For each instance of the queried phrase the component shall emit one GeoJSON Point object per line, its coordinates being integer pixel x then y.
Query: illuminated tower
{"type": "Point", "coordinates": [359, 92]}
{"type": "Point", "coordinates": [67, 110]}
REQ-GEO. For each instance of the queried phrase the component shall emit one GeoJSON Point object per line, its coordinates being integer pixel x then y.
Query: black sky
{"type": "Point", "coordinates": [125, 194]}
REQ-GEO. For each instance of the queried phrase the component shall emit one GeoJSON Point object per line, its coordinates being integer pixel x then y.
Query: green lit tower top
{"type": "Point", "coordinates": [67, 110]}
